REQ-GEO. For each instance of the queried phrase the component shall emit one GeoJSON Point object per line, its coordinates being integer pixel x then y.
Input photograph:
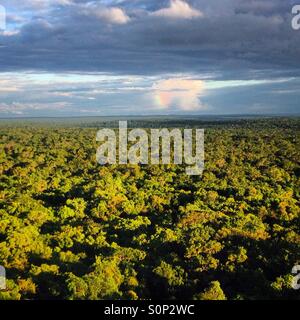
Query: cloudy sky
{"type": "Point", "coordinates": [144, 57]}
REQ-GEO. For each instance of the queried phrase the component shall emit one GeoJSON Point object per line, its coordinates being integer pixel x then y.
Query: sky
{"type": "Point", "coordinates": [148, 57]}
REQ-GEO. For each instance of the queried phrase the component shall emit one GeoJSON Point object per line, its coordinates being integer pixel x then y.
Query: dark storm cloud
{"type": "Point", "coordinates": [229, 37]}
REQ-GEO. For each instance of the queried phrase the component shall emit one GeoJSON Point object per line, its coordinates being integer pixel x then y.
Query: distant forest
{"type": "Point", "coordinates": [73, 229]}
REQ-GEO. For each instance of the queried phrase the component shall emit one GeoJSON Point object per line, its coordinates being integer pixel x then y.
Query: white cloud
{"type": "Point", "coordinates": [35, 4]}
{"type": "Point", "coordinates": [112, 15]}
{"type": "Point", "coordinates": [7, 33]}
{"type": "Point", "coordinates": [21, 108]}
{"type": "Point", "coordinates": [219, 84]}
{"type": "Point", "coordinates": [7, 86]}
{"type": "Point", "coordinates": [179, 10]}
{"type": "Point", "coordinates": [178, 93]}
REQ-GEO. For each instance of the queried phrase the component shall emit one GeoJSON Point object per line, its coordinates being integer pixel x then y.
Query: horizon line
{"type": "Point", "coordinates": [155, 116]}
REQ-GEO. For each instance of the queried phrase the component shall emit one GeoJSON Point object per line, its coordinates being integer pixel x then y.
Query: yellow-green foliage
{"type": "Point", "coordinates": [72, 229]}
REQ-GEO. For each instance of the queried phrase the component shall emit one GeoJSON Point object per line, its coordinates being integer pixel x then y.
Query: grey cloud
{"type": "Point", "coordinates": [250, 36]}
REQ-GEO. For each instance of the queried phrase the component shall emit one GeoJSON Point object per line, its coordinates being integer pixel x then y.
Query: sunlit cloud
{"type": "Point", "coordinates": [178, 9]}
{"type": "Point", "coordinates": [8, 86]}
{"type": "Point", "coordinates": [112, 15]}
{"type": "Point", "coordinates": [182, 94]}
